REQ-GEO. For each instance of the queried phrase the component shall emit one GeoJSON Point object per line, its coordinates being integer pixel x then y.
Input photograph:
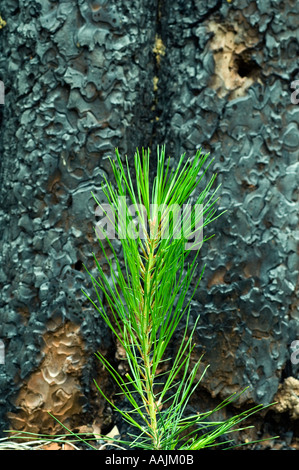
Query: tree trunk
{"type": "Point", "coordinates": [82, 78]}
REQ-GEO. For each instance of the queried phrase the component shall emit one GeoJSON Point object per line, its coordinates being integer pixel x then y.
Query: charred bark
{"type": "Point", "coordinates": [82, 78]}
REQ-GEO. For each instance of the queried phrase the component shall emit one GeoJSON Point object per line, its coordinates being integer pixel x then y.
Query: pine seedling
{"type": "Point", "coordinates": [148, 295]}
{"type": "Point", "coordinates": [144, 300]}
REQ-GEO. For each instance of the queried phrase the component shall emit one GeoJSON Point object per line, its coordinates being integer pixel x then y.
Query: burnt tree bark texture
{"type": "Point", "coordinates": [85, 76]}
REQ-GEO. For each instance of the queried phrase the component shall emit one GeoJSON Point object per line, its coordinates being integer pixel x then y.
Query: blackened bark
{"type": "Point", "coordinates": [83, 78]}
